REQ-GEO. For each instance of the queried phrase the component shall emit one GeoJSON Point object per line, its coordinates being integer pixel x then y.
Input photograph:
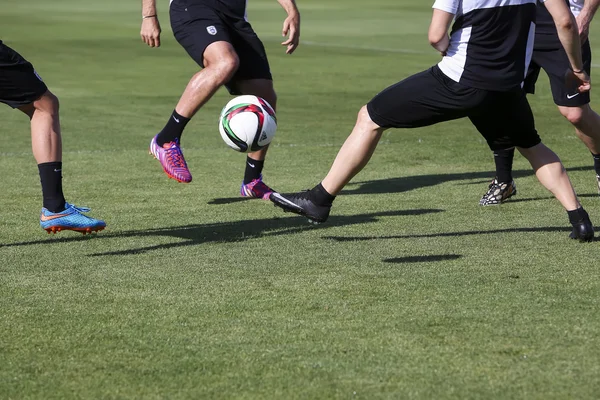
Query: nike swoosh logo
{"type": "Point", "coordinates": [45, 218]}
{"type": "Point", "coordinates": [286, 201]}
{"type": "Point", "coordinates": [252, 165]}
{"type": "Point", "coordinates": [570, 96]}
{"type": "Point", "coordinates": [176, 120]}
{"type": "Point", "coordinates": [57, 170]}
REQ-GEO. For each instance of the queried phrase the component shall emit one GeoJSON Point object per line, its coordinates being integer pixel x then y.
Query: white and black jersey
{"type": "Point", "coordinates": [490, 43]}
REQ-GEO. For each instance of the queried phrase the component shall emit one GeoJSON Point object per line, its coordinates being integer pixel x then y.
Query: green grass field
{"type": "Point", "coordinates": [411, 290]}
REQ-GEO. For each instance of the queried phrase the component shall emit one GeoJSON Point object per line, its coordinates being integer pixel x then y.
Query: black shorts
{"type": "Point", "coordinates": [556, 64]}
{"type": "Point", "coordinates": [19, 83]}
{"type": "Point", "coordinates": [503, 118]}
{"type": "Point", "coordinates": [197, 25]}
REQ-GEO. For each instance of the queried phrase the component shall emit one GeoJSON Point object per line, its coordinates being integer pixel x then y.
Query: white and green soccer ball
{"type": "Point", "coordinates": [247, 123]}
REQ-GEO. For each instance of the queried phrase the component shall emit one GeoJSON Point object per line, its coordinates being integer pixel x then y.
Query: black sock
{"type": "Point", "coordinates": [253, 169]}
{"type": "Point", "coordinates": [577, 216]}
{"type": "Point", "coordinates": [51, 178]}
{"type": "Point", "coordinates": [504, 160]}
{"type": "Point", "coordinates": [172, 130]}
{"type": "Point", "coordinates": [320, 196]}
{"type": "Point", "coordinates": [596, 163]}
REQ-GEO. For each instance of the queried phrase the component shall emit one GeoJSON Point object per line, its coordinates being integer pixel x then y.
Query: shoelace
{"type": "Point", "coordinates": [80, 209]}
{"type": "Point", "coordinates": [175, 156]}
{"type": "Point", "coordinates": [305, 194]}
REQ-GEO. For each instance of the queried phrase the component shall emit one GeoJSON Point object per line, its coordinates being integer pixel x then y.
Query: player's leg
{"type": "Point", "coordinates": [201, 32]}
{"type": "Point", "coordinates": [575, 106]}
{"type": "Point", "coordinates": [587, 127]}
{"type": "Point", "coordinates": [503, 185]}
{"type": "Point", "coordinates": [22, 88]}
{"type": "Point", "coordinates": [253, 77]}
{"type": "Point", "coordinates": [252, 184]}
{"type": "Point", "coordinates": [419, 100]}
{"type": "Point", "coordinates": [507, 122]}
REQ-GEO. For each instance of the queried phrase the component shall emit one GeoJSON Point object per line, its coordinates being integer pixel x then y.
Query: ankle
{"type": "Point", "coordinates": [321, 196]}
{"type": "Point", "coordinates": [578, 216]}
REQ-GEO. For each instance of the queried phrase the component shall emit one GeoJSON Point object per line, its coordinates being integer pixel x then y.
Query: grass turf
{"type": "Point", "coordinates": [411, 290]}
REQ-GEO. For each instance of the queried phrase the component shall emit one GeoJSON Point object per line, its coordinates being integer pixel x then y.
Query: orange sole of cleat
{"type": "Point", "coordinates": [55, 229]}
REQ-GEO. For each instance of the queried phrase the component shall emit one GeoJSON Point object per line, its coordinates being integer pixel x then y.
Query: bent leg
{"type": "Point", "coordinates": [220, 64]}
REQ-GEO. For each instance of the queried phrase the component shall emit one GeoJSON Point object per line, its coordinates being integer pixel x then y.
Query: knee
{"type": "Point", "coordinates": [364, 119]}
{"type": "Point", "coordinates": [48, 103]}
{"type": "Point", "coordinates": [575, 115]}
{"type": "Point", "coordinates": [225, 68]}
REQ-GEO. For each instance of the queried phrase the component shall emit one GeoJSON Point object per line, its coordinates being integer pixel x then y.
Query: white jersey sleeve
{"type": "Point", "coordinates": [576, 6]}
{"type": "Point", "coordinates": [450, 6]}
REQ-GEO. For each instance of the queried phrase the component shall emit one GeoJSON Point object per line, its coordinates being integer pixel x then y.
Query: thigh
{"type": "Point", "coordinates": [557, 66]}
{"type": "Point", "coordinates": [423, 99]}
{"type": "Point", "coordinates": [254, 63]}
{"type": "Point", "coordinates": [19, 83]}
{"type": "Point", "coordinates": [196, 27]}
{"type": "Point", "coordinates": [505, 120]}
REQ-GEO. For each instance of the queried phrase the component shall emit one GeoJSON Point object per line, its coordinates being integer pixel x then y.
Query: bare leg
{"type": "Point", "coordinates": [586, 123]}
{"type": "Point", "coordinates": [552, 175]}
{"type": "Point", "coordinates": [221, 63]}
{"type": "Point", "coordinates": [354, 154]}
{"type": "Point", "coordinates": [45, 128]}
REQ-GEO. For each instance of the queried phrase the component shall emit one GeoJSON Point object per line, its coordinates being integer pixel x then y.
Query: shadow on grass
{"type": "Point", "coordinates": [408, 183]}
{"type": "Point", "coordinates": [226, 231]}
{"type": "Point", "coordinates": [416, 259]}
{"type": "Point", "coordinates": [565, 229]}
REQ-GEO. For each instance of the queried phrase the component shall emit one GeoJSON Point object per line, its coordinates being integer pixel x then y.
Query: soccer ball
{"type": "Point", "coordinates": [247, 123]}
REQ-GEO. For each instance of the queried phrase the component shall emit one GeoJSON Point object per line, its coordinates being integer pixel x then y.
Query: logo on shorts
{"type": "Point", "coordinates": [570, 96]}
{"type": "Point", "coordinates": [211, 30]}
{"type": "Point", "coordinates": [39, 77]}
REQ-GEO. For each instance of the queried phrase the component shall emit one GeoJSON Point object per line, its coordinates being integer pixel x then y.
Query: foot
{"type": "Point", "coordinates": [257, 188]}
{"type": "Point", "coordinates": [171, 159]}
{"type": "Point", "coordinates": [583, 230]}
{"type": "Point", "coordinates": [301, 203]}
{"type": "Point", "coordinates": [72, 219]}
{"type": "Point", "coordinates": [498, 193]}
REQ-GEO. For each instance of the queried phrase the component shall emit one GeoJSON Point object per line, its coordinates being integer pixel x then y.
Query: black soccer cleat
{"type": "Point", "coordinates": [301, 204]}
{"type": "Point", "coordinates": [583, 231]}
{"type": "Point", "coordinates": [498, 193]}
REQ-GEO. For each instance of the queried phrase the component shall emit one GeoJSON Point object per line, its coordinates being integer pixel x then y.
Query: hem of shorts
{"type": "Point", "coordinates": [578, 104]}
{"type": "Point", "coordinates": [378, 119]}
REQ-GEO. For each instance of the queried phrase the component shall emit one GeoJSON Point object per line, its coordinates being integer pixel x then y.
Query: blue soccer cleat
{"type": "Point", "coordinates": [71, 218]}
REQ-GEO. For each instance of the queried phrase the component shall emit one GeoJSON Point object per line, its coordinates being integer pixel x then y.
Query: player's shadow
{"type": "Point", "coordinates": [453, 234]}
{"type": "Point", "coordinates": [408, 183]}
{"type": "Point", "coordinates": [418, 259]}
{"type": "Point", "coordinates": [224, 232]}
